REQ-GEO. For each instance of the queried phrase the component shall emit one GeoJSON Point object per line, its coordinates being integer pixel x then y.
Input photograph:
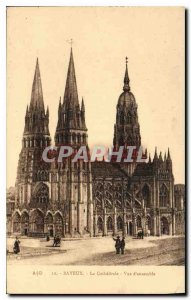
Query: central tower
{"type": "Point", "coordinates": [126, 128]}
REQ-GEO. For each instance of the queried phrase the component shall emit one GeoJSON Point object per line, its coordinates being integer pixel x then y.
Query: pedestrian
{"type": "Point", "coordinates": [47, 238]}
{"type": "Point", "coordinates": [54, 243]}
{"type": "Point", "coordinates": [16, 248]}
{"type": "Point", "coordinates": [117, 244]}
{"type": "Point", "coordinates": [122, 245]}
{"type": "Point", "coordinates": [58, 241]}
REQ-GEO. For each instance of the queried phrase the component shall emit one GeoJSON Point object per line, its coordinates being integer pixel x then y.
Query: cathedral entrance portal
{"type": "Point", "coordinates": [24, 223]}
{"type": "Point", "coordinates": [58, 224]}
{"type": "Point", "coordinates": [51, 233]}
{"type": "Point", "coordinates": [109, 225]}
{"type": "Point", "coordinates": [100, 225]}
{"type": "Point", "coordinates": [130, 228]}
{"type": "Point", "coordinates": [49, 224]}
{"type": "Point", "coordinates": [37, 223]}
{"type": "Point", "coordinates": [16, 223]}
{"type": "Point", "coordinates": [164, 226]}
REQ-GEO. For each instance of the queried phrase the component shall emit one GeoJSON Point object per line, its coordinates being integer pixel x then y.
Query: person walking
{"type": "Point", "coordinates": [117, 244]}
{"type": "Point", "coordinates": [122, 245]}
{"type": "Point", "coordinates": [54, 243]}
{"type": "Point", "coordinates": [16, 248]}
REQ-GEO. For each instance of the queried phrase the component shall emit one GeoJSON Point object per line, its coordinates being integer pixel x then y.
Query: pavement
{"type": "Point", "coordinates": [163, 250]}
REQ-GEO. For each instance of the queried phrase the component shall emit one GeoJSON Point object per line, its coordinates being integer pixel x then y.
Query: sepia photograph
{"type": "Point", "coordinates": [95, 150]}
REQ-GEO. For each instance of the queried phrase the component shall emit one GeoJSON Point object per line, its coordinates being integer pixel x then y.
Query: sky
{"type": "Point", "coordinates": [151, 38]}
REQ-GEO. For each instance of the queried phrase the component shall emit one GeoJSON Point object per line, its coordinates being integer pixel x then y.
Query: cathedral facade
{"type": "Point", "coordinates": [100, 198]}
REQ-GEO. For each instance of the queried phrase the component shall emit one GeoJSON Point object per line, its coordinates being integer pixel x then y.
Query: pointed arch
{"type": "Point", "coordinates": [164, 225]}
{"type": "Point", "coordinates": [37, 221]}
{"type": "Point", "coordinates": [119, 223]}
{"type": "Point", "coordinates": [129, 140]}
{"type": "Point", "coordinates": [129, 118]}
{"type": "Point", "coordinates": [24, 222]}
{"type": "Point", "coordinates": [139, 221]}
{"type": "Point", "coordinates": [41, 194]}
{"type": "Point", "coordinates": [58, 223]}
{"type": "Point", "coordinates": [100, 224]}
{"type": "Point", "coordinates": [146, 194]}
{"type": "Point", "coordinates": [121, 116]}
{"type": "Point", "coordinates": [163, 196]}
{"type": "Point", "coordinates": [16, 222]}
{"type": "Point", "coordinates": [109, 223]}
{"type": "Point", "coordinates": [49, 218]}
{"type": "Point", "coordinates": [24, 217]}
{"type": "Point", "coordinates": [148, 222]}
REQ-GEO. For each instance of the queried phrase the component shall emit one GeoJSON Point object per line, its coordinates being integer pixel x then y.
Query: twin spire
{"type": "Point", "coordinates": [70, 114]}
{"type": "Point", "coordinates": [71, 92]}
{"type": "Point", "coordinates": [37, 94]}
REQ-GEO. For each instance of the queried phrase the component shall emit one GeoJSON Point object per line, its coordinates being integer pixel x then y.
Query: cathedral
{"type": "Point", "coordinates": [100, 198]}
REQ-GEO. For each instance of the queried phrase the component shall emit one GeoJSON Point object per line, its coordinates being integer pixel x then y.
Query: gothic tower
{"type": "Point", "coordinates": [126, 128]}
{"type": "Point", "coordinates": [32, 188]}
{"type": "Point", "coordinates": [72, 186]}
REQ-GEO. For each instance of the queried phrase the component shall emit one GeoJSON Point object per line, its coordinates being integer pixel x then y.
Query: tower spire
{"type": "Point", "coordinates": [168, 155]}
{"type": "Point", "coordinates": [37, 94]}
{"type": "Point", "coordinates": [126, 86]}
{"type": "Point", "coordinates": [82, 105]}
{"type": "Point", "coordinates": [155, 155]}
{"type": "Point", "coordinates": [71, 93]}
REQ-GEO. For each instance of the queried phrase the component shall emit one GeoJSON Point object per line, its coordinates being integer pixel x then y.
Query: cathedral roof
{"type": "Point", "coordinates": [126, 98]}
{"type": "Point", "coordinates": [143, 169]}
{"type": "Point", "coordinates": [105, 169]}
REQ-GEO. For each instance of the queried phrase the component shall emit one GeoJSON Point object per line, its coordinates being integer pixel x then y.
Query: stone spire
{"type": "Point", "coordinates": [126, 86]}
{"type": "Point", "coordinates": [168, 155]}
{"type": "Point", "coordinates": [155, 155]}
{"type": "Point", "coordinates": [71, 92]}
{"type": "Point", "coordinates": [37, 94]}
{"type": "Point", "coordinates": [71, 127]}
{"type": "Point", "coordinates": [82, 105]}
{"type": "Point", "coordinates": [36, 120]}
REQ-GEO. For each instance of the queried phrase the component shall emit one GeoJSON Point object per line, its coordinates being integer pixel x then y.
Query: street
{"type": "Point", "coordinates": [163, 250]}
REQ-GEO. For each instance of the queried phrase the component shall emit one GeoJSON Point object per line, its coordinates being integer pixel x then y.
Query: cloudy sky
{"type": "Point", "coordinates": [153, 40]}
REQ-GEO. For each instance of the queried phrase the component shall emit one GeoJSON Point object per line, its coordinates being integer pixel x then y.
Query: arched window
{"type": "Point", "coordinates": [42, 194]}
{"type": "Point", "coordinates": [129, 118]}
{"type": "Point", "coordinates": [164, 226]}
{"type": "Point", "coordinates": [24, 223]}
{"type": "Point", "coordinates": [16, 222]}
{"type": "Point", "coordinates": [79, 139]}
{"type": "Point", "coordinates": [100, 224]}
{"type": "Point", "coordinates": [119, 223]}
{"type": "Point", "coordinates": [146, 195]}
{"type": "Point", "coordinates": [58, 224]}
{"type": "Point", "coordinates": [163, 196]}
{"type": "Point", "coordinates": [148, 222]}
{"type": "Point", "coordinates": [109, 224]}
{"type": "Point", "coordinates": [84, 139]}
{"type": "Point", "coordinates": [121, 118]}
{"type": "Point", "coordinates": [74, 138]}
{"type": "Point", "coordinates": [129, 141]}
{"type": "Point", "coordinates": [139, 223]}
